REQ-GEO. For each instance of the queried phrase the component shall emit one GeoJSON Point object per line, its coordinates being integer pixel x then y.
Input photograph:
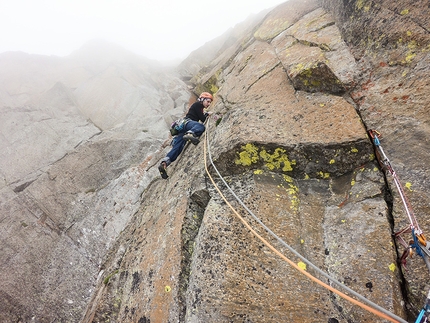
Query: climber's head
{"type": "Point", "coordinates": [206, 98]}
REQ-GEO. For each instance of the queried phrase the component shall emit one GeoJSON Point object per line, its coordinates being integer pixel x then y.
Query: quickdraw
{"type": "Point", "coordinates": [424, 316]}
{"type": "Point", "coordinates": [419, 244]}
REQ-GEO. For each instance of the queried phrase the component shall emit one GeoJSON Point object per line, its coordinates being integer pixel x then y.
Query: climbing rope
{"type": "Point", "coordinates": [371, 307]}
{"type": "Point", "coordinates": [419, 244]}
{"type": "Point", "coordinates": [424, 315]}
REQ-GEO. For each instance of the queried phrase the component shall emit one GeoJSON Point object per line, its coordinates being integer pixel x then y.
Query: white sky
{"type": "Point", "coordinates": [156, 29]}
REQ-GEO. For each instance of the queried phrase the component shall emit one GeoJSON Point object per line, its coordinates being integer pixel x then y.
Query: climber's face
{"type": "Point", "coordinates": [207, 102]}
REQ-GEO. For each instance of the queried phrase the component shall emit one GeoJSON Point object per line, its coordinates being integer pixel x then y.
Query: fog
{"type": "Point", "coordinates": [161, 30]}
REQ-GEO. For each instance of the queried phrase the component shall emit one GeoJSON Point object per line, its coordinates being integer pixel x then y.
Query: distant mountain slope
{"type": "Point", "coordinates": [78, 138]}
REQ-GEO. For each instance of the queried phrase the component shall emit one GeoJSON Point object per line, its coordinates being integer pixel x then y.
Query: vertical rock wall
{"type": "Point", "coordinates": [293, 145]}
{"type": "Point", "coordinates": [390, 41]}
{"type": "Point", "coordinates": [68, 187]}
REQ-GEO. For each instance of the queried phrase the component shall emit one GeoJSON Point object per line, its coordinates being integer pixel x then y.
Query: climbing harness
{"type": "Point", "coordinates": [419, 242]}
{"type": "Point", "coordinates": [424, 316]}
{"type": "Point", "coordinates": [177, 126]}
{"type": "Point", "coordinates": [371, 307]}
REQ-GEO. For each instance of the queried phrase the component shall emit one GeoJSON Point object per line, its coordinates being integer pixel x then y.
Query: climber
{"type": "Point", "coordinates": [188, 129]}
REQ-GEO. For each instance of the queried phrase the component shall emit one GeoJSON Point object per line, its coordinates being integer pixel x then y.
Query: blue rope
{"type": "Point", "coordinates": [420, 317]}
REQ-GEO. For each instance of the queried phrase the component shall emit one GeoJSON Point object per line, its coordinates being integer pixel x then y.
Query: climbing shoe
{"type": "Point", "coordinates": [189, 136]}
{"type": "Point", "coordinates": [162, 168]}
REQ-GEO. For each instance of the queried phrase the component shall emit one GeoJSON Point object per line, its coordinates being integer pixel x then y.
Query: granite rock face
{"type": "Point", "coordinates": [295, 97]}
{"type": "Point", "coordinates": [78, 138]}
{"type": "Point", "coordinates": [390, 41]}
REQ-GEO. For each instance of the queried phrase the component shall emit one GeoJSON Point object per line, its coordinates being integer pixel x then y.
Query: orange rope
{"type": "Point", "coordinates": [316, 280]}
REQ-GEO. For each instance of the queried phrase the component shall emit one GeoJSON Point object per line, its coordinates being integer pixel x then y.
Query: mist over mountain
{"type": "Point", "coordinates": [90, 232]}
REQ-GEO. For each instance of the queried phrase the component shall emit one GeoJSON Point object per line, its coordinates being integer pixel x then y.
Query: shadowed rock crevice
{"type": "Point", "coordinates": [261, 76]}
{"type": "Point", "coordinates": [389, 198]}
{"type": "Point", "coordinates": [298, 161]}
{"type": "Point", "coordinates": [316, 77]}
{"type": "Point", "coordinates": [23, 186]}
{"type": "Point", "coordinates": [190, 229]}
{"type": "Point", "coordinates": [199, 199]}
{"type": "Point", "coordinates": [412, 311]}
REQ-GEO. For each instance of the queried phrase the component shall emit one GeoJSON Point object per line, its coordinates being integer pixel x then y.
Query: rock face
{"type": "Point", "coordinates": [390, 41]}
{"type": "Point", "coordinates": [295, 96]}
{"type": "Point", "coordinates": [78, 135]}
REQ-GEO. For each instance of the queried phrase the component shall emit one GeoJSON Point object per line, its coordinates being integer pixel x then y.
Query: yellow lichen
{"type": "Point", "coordinates": [248, 156]}
{"type": "Point", "coordinates": [392, 267]}
{"type": "Point", "coordinates": [214, 88]}
{"type": "Point", "coordinates": [354, 150]}
{"type": "Point", "coordinates": [408, 186]}
{"type": "Point", "coordinates": [258, 171]}
{"type": "Point", "coordinates": [288, 179]}
{"type": "Point", "coordinates": [298, 67]}
{"type": "Point", "coordinates": [277, 160]}
{"type": "Point", "coordinates": [404, 12]}
{"type": "Point", "coordinates": [293, 191]}
{"type": "Point", "coordinates": [409, 57]}
{"type": "Point", "coordinates": [332, 161]}
{"type": "Point", "coordinates": [323, 175]}
{"type": "Point", "coordinates": [362, 4]}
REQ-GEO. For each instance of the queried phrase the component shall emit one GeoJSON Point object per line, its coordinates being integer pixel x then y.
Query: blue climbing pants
{"type": "Point", "coordinates": [178, 142]}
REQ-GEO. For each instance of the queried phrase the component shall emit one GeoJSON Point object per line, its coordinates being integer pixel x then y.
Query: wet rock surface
{"type": "Point", "coordinates": [69, 187]}
{"type": "Point", "coordinates": [295, 97]}
{"type": "Point", "coordinates": [293, 145]}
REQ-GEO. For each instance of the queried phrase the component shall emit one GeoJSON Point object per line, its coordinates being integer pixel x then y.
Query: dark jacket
{"type": "Point", "coordinates": [196, 113]}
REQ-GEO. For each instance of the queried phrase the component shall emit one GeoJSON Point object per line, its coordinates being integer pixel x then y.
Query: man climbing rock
{"type": "Point", "coordinates": [188, 129]}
